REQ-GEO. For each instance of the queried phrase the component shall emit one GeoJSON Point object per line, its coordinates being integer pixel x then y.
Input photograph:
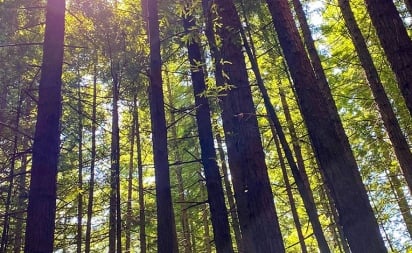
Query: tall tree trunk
{"type": "Point", "coordinates": [114, 228]}
{"type": "Point", "coordinates": [18, 230]}
{"type": "Point", "coordinates": [205, 217]}
{"type": "Point", "coordinates": [298, 174]}
{"type": "Point", "coordinates": [142, 214]}
{"type": "Point", "coordinates": [254, 198]}
{"type": "Point", "coordinates": [184, 217]}
{"type": "Point", "coordinates": [289, 193]}
{"type": "Point", "coordinates": [401, 199]}
{"type": "Point", "coordinates": [42, 196]}
{"type": "Point", "coordinates": [398, 140]}
{"type": "Point", "coordinates": [130, 176]}
{"type": "Point", "coordinates": [397, 45]}
{"type": "Point", "coordinates": [327, 135]}
{"type": "Point", "coordinates": [8, 202]}
{"type": "Point", "coordinates": [79, 234]}
{"type": "Point", "coordinates": [229, 194]}
{"type": "Point", "coordinates": [166, 229]}
{"type": "Point", "coordinates": [92, 164]}
{"type": "Point", "coordinates": [216, 199]}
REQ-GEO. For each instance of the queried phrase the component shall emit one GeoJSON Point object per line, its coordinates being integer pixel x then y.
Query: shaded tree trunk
{"type": "Point", "coordinates": [330, 143]}
{"type": "Point", "coordinates": [254, 198]}
{"type": "Point", "coordinates": [402, 200]}
{"type": "Point", "coordinates": [166, 230]}
{"type": "Point", "coordinates": [114, 209]}
{"type": "Point", "coordinates": [184, 217]}
{"type": "Point", "coordinates": [42, 196]}
{"type": "Point", "coordinates": [397, 45]}
{"type": "Point", "coordinates": [130, 176]}
{"type": "Point", "coordinates": [142, 214]}
{"type": "Point", "coordinates": [216, 199]}
{"type": "Point", "coordinates": [290, 194]}
{"type": "Point", "coordinates": [229, 194]}
{"type": "Point", "coordinates": [92, 164]}
{"type": "Point", "coordinates": [298, 174]}
{"type": "Point", "coordinates": [79, 234]}
{"type": "Point", "coordinates": [18, 230]}
{"type": "Point", "coordinates": [205, 217]}
{"type": "Point", "coordinates": [398, 140]}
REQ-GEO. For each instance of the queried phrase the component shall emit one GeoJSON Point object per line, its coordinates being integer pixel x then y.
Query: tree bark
{"type": "Point", "coordinates": [289, 193]}
{"type": "Point", "coordinates": [18, 230]}
{"type": "Point", "coordinates": [402, 200]}
{"type": "Point", "coordinates": [398, 140]}
{"type": "Point", "coordinates": [397, 45]}
{"type": "Point", "coordinates": [142, 214]}
{"type": "Point", "coordinates": [229, 194]}
{"type": "Point", "coordinates": [130, 176]}
{"type": "Point", "coordinates": [166, 230]}
{"type": "Point", "coordinates": [254, 198]}
{"type": "Point", "coordinates": [42, 196]}
{"type": "Point", "coordinates": [92, 164]}
{"type": "Point", "coordinates": [79, 234]}
{"type": "Point", "coordinates": [205, 217]}
{"type": "Point", "coordinates": [327, 135]}
{"type": "Point", "coordinates": [299, 174]}
{"type": "Point", "coordinates": [184, 218]}
{"type": "Point", "coordinates": [216, 200]}
{"type": "Point", "coordinates": [114, 209]}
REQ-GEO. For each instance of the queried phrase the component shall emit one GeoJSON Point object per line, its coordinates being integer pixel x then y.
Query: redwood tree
{"type": "Point", "coordinates": [397, 45]}
{"type": "Point", "coordinates": [166, 230]}
{"type": "Point", "coordinates": [398, 140]}
{"type": "Point", "coordinates": [216, 199]}
{"type": "Point", "coordinates": [42, 195]}
{"type": "Point", "coordinates": [254, 198]}
{"type": "Point", "coordinates": [329, 140]}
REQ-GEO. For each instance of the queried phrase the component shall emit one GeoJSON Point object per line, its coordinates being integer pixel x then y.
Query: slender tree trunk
{"type": "Point", "coordinates": [289, 193]}
{"type": "Point", "coordinates": [229, 194]}
{"type": "Point", "coordinates": [184, 219]}
{"type": "Point", "coordinates": [130, 176]}
{"type": "Point", "coordinates": [207, 237]}
{"type": "Point", "coordinates": [304, 188]}
{"type": "Point", "coordinates": [114, 229]}
{"type": "Point", "coordinates": [398, 140]}
{"type": "Point", "coordinates": [216, 199]}
{"type": "Point", "coordinates": [79, 235]}
{"type": "Point", "coordinates": [18, 230]}
{"type": "Point", "coordinates": [142, 214]}
{"type": "Point", "coordinates": [166, 229]}
{"type": "Point", "coordinates": [254, 198]}
{"type": "Point", "coordinates": [330, 206]}
{"type": "Point", "coordinates": [401, 199]}
{"type": "Point", "coordinates": [42, 196]}
{"type": "Point", "coordinates": [327, 135]}
{"type": "Point", "coordinates": [92, 164]}
{"type": "Point", "coordinates": [397, 45]}
{"type": "Point", "coordinates": [8, 202]}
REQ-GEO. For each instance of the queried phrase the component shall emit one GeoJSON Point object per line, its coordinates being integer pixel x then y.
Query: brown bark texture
{"type": "Point", "coordinates": [330, 143]}
{"type": "Point", "coordinates": [254, 198]}
{"type": "Point", "coordinates": [166, 230]}
{"type": "Point", "coordinates": [42, 195]}
{"type": "Point", "coordinates": [216, 199]}
{"type": "Point", "coordinates": [396, 44]}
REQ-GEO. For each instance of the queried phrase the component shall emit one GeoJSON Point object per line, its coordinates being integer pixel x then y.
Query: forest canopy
{"type": "Point", "coordinates": [206, 126]}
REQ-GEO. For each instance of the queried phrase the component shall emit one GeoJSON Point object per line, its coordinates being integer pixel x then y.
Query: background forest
{"type": "Point", "coordinates": [205, 126]}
